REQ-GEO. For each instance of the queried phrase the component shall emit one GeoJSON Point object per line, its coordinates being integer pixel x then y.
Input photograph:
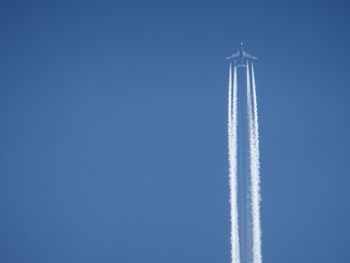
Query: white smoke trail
{"type": "Point", "coordinates": [255, 175]}
{"type": "Point", "coordinates": [251, 147]}
{"type": "Point", "coordinates": [254, 167]}
{"type": "Point", "coordinates": [232, 152]}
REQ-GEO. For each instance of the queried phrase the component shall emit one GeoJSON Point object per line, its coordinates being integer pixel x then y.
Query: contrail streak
{"type": "Point", "coordinates": [255, 180]}
{"type": "Point", "coordinates": [232, 152]}
{"type": "Point", "coordinates": [251, 151]}
{"type": "Point", "coordinates": [254, 166]}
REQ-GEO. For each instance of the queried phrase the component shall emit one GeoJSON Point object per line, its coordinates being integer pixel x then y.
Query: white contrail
{"type": "Point", "coordinates": [254, 167]}
{"type": "Point", "coordinates": [251, 150]}
{"type": "Point", "coordinates": [255, 180]}
{"type": "Point", "coordinates": [232, 152]}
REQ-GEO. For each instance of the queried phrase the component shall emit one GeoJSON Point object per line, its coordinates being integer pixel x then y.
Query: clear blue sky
{"type": "Point", "coordinates": [113, 129]}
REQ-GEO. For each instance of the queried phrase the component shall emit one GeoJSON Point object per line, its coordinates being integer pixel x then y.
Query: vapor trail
{"type": "Point", "coordinates": [255, 179]}
{"type": "Point", "coordinates": [232, 152]}
{"type": "Point", "coordinates": [251, 148]}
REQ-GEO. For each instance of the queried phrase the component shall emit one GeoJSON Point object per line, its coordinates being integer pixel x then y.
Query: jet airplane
{"type": "Point", "coordinates": [240, 57]}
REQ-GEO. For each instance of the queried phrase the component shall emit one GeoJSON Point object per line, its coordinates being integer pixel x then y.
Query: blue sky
{"type": "Point", "coordinates": [113, 129]}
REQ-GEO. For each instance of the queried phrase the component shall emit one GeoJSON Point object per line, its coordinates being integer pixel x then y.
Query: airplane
{"type": "Point", "coordinates": [239, 56]}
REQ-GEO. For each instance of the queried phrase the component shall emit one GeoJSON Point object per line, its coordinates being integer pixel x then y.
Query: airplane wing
{"type": "Point", "coordinates": [245, 54]}
{"type": "Point", "coordinates": [234, 55]}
